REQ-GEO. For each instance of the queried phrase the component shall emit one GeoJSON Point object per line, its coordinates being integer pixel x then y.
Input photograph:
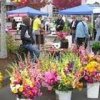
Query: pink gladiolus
{"type": "Point", "coordinates": [50, 78]}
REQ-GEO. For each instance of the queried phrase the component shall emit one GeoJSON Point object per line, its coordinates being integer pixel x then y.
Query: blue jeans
{"type": "Point", "coordinates": [33, 49]}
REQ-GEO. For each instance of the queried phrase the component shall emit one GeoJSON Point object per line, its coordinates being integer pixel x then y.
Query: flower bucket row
{"type": "Point", "coordinates": [63, 75]}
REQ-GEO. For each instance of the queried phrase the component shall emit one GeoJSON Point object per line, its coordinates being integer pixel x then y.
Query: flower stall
{"type": "Point", "coordinates": [62, 75]}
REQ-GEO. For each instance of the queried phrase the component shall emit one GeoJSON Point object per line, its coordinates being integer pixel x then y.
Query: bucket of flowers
{"type": "Point", "coordinates": [62, 37]}
{"type": "Point", "coordinates": [25, 79]}
{"type": "Point", "coordinates": [91, 75]}
{"type": "Point", "coordinates": [62, 75]}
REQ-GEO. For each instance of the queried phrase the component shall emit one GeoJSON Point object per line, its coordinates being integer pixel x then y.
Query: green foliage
{"type": "Point", "coordinates": [96, 46]}
{"type": "Point", "coordinates": [12, 45]}
{"type": "Point", "coordinates": [91, 28]}
{"type": "Point", "coordinates": [62, 87]}
{"type": "Point", "coordinates": [66, 28]}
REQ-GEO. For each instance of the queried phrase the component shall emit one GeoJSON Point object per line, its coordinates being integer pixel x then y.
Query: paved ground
{"type": "Point", "coordinates": [5, 94]}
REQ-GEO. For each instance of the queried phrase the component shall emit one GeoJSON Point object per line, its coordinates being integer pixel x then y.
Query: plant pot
{"type": "Point", "coordinates": [93, 90]}
{"type": "Point", "coordinates": [64, 44]}
{"type": "Point", "coordinates": [63, 95]}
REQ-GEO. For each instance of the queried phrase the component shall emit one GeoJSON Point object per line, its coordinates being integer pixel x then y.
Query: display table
{"type": "Point", "coordinates": [51, 38]}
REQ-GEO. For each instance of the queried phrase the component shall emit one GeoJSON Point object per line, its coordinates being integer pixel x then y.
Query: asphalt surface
{"type": "Point", "coordinates": [5, 94]}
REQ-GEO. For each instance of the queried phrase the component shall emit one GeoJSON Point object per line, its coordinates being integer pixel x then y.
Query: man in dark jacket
{"type": "Point", "coordinates": [59, 24]}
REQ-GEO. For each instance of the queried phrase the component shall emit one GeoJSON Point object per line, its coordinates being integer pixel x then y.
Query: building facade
{"type": "Point", "coordinates": [52, 10]}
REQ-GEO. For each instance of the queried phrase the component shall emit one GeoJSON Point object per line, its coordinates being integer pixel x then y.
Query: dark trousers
{"type": "Point", "coordinates": [81, 41]}
{"type": "Point", "coordinates": [73, 37]}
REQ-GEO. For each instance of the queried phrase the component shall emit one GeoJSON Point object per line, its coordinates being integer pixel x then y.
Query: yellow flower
{"type": "Point", "coordinates": [17, 86]}
{"type": "Point", "coordinates": [21, 88]}
{"type": "Point", "coordinates": [29, 82]}
{"type": "Point", "coordinates": [13, 89]}
{"type": "Point", "coordinates": [90, 57]}
{"type": "Point", "coordinates": [91, 66]}
{"type": "Point", "coordinates": [1, 77]}
{"type": "Point", "coordinates": [54, 66]}
{"type": "Point", "coordinates": [12, 79]}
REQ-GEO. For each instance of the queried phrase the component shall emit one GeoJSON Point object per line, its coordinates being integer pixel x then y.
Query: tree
{"type": "Point", "coordinates": [31, 3]}
{"type": "Point", "coordinates": [62, 4]}
{"type": "Point", "coordinates": [3, 48]}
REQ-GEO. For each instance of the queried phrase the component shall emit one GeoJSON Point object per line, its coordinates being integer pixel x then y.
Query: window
{"type": "Point", "coordinates": [55, 11]}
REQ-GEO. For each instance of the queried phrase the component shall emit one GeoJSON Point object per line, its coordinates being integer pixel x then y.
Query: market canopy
{"type": "Point", "coordinates": [25, 11]}
{"type": "Point", "coordinates": [80, 10]}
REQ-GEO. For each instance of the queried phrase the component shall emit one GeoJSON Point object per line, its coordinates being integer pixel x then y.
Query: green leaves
{"type": "Point", "coordinates": [96, 46]}
{"type": "Point", "coordinates": [12, 45]}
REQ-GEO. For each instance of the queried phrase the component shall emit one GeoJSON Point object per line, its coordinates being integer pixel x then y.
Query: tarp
{"type": "Point", "coordinates": [26, 10]}
{"type": "Point", "coordinates": [80, 10]}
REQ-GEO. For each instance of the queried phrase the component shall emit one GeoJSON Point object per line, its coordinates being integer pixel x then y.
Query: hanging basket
{"type": "Point", "coordinates": [63, 95]}
{"type": "Point", "coordinates": [93, 90]}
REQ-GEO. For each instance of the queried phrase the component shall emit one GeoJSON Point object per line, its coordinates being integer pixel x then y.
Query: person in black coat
{"type": "Point", "coordinates": [59, 24]}
{"type": "Point", "coordinates": [14, 24]}
{"type": "Point", "coordinates": [73, 26]}
{"type": "Point", "coordinates": [27, 38]}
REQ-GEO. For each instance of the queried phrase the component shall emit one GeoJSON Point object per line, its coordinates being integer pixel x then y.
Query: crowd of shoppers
{"type": "Point", "coordinates": [32, 31]}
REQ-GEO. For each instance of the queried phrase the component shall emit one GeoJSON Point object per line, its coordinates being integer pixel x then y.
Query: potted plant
{"type": "Point", "coordinates": [96, 47]}
{"type": "Point", "coordinates": [25, 80]}
{"type": "Point", "coordinates": [62, 76]}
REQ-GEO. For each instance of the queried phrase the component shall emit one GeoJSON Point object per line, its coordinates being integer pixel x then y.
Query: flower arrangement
{"type": "Point", "coordinates": [62, 35]}
{"type": "Point", "coordinates": [25, 79]}
{"type": "Point", "coordinates": [91, 72]}
{"type": "Point", "coordinates": [83, 54]}
{"type": "Point", "coordinates": [62, 74]}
